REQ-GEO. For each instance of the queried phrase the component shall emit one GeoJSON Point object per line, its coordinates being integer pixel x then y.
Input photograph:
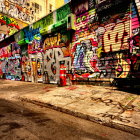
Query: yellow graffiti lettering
{"type": "Point", "coordinates": [116, 39]}
{"type": "Point", "coordinates": [51, 41]}
{"type": "Point", "coordinates": [125, 66]}
{"type": "Point", "coordinates": [12, 31]}
{"type": "Point", "coordinates": [99, 51]}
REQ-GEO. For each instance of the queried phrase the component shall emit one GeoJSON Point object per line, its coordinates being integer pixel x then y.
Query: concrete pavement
{"type": "Point", "coordinates": [104, 105]}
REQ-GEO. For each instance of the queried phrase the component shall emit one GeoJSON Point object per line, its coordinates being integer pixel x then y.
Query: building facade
{"type": "Point", "coordinates": [98, 41]}
{"type": "Point", "coordinates": [15, 15]}
{"type": "Point", "coordinates": [28, 10]}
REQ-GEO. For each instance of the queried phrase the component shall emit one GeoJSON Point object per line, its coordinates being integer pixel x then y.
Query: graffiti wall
{"type": "Point", "coordinates": [10, 58]}
{"type": "Point", "coordinates": [9, 26]}
{"type": "Point", "coordinates": [101, 45]}
{"type": "Point", "coordinates": [45, 51]}
{"type": "Point", "coordinates": [17, 9]}
{"type": "Point", "coordinates": [56, 48]}
{"type": "Point", "coordinates": [104, 43]}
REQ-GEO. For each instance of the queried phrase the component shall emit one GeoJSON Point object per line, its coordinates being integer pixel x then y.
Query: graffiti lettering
{"type": "Point", "coordinates": [117, 38]}
{"type": "Point", "coordinates": [120, 108]}
{"type": "Point", "coordinates": [44, 22]}
{"type": "Point", "coordinates": [63, 12]}
{"type": "Point", "coordinates": [52, 59]}
{"type": "Point", "coordinates": [52, 41]}
{"type": "Point", "coordinates": [114, 117]}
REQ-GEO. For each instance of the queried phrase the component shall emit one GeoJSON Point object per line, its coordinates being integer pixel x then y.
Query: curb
{"type": "Point", "coordinates": [126, 128]}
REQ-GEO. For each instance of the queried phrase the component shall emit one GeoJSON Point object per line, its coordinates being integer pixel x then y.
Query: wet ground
{"type": "Point", "coordinates": [25, 121]}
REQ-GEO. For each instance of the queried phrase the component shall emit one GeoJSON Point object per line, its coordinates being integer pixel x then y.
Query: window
{"type": "Point", "coordinates": [36, 7]}
{"type": "Point", "coordinates": [50, 8]}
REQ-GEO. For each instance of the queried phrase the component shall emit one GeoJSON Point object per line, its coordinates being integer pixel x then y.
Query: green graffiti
{"type": "Point", "coordinates": [44, 22]}
{"type": "Point", "coordinates": [62, 12]}
{"type": "Point", "coordinates": [8, 21]}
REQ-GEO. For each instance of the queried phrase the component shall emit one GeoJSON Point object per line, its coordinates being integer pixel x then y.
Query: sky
{"type": "Point", "coordinates": [66, 1]}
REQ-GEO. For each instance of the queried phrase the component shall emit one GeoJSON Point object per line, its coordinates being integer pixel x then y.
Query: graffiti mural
{"type": "Point", "coordinates": [44, 22]}
{"type": "Point", "coordinates": [62, 12]}
{"type": "Point", "coordinates": [36, 45]}
{"type": "Point", "coordinates": [108, 37]}
{"type": "Point", "coordinates": [29, 33]}
{"type": "Point", "coordinates": [39, 67]}
{"type": "Point", "coordinates": [25, 64]}
{"type": "Point", "coordinates": [11, 61]}
{"type": "Point", "coordinates": [56, 50]}
{"type": "Point", "coordinates": [9, 26]}
{"type": "Point", "coordinates": [114, 39]}
{"type": "Point", "coordinates": [3, 63]}
{"type": "Point", "coordinates": [104, 43]}
{"type": "Point", "coordinates": [85, 46]}
{"type": "Point", "coordinates": [85, 58]}
{"type": "Point", "coordinates": [17, 9]}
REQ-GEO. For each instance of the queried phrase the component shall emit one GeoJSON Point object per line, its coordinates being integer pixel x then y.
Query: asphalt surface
{"type": "Point", "coordinates": [20, 120]}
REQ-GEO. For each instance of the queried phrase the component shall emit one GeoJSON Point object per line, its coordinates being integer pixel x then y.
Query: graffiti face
{"type": "Point", "coordinates": [85, 56]}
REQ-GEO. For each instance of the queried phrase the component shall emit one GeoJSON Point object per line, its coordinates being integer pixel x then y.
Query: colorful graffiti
{"type": "Point", "coordinates": [26, 69]}
{"type": "Point", "coordinates": [35, 46]}
{"type": "Point", "coordinates": [62, 12]}
{"type": "Point", "coordinates": [56, 50]}
{"type": "Point", "coordinates": [114, 39]}
{"type": "Point", "coordinates": [16, 9]}
{"type": "Point", "coordinates": [44, 22]}
{"type": "Point", "coordinates": [29, 33]}
{"type": "Point", "coordinates": [10, 62]}
{"type": "Point", "coordinates": [9, 26]}
{"type": "Point", "coordinates": [107, 36]}
{"type": "Point", "coordinates": [104, 44]}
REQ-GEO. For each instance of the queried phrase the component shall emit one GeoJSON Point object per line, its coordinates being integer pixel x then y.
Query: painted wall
{"type": "Point", "coordinates": [9, 26]}
{"type": "Point", "coordinates": [28, 11]}
{"type": "Point", "coordinates": [56, 49]}
{"type": "Point", "coordinates": [10, 60]}
{"type": "Point", "coordinates": [17, 9]}
{"type": "Point", "coordinates": [104, 45]}
{"type": "Point", "coordinates": [45, 50]}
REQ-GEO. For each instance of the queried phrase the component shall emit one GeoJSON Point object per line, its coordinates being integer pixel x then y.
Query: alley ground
{"type": "Point", "coordinates": [25, 121]}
